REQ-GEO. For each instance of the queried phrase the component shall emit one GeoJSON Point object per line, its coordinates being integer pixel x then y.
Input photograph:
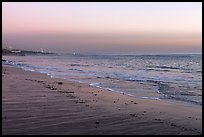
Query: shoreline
{"type": "Point", "coordinates": [163, 90]}
{"type": "Point", "coordinates": [34, 103]}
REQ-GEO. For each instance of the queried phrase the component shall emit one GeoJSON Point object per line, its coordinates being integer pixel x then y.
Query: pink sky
{"type": "Point", "coordinates": [103, 27]}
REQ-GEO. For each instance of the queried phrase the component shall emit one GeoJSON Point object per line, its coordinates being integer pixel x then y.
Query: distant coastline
{"type": "Point", "coordinates": [23, 52]}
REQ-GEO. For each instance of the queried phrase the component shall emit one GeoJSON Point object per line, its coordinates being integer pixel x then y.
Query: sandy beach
{"type": "Point", "coordinates": [35, 104]}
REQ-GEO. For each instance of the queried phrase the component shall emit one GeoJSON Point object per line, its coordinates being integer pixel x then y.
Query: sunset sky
{"type": "Point", "coordinates": [103, 27]}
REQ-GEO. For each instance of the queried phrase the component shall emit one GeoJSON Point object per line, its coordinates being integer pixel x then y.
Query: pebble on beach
{"type": "Point", "coordinates": [60, 83]}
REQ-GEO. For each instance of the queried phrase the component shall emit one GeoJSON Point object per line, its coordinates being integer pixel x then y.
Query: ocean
{"type": "Point", "coordinates": [172, 77]}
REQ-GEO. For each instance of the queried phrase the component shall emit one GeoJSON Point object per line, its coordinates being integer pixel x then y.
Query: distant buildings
{"type": "Point", "coordinates": [10, 51]}
{"type": "Point", "coordinates": [15, 51]}
{"type": "Point", "coordinates": [8, 48]}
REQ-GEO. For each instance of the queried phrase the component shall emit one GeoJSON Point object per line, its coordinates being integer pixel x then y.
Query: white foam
{"type": "Point", "coordinates": [153, 98]}
{"type": "Point", "coordinates": [51, 76]}
{"type": "Point", "coordinates": [28, 69]}
{"type": "Point", "coordinates": [94, 84]}
{"type": "Point", "coordinates": [110, 89]}
{"type": "Point", "coordinates": [130, 95]}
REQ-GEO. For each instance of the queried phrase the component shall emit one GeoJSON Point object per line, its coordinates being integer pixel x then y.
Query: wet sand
{"type": "Point", "coordinates": [35, 104]}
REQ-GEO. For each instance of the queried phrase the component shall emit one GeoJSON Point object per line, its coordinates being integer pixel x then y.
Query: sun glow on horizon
{"type": "Point", "coordinates": [103, 26]}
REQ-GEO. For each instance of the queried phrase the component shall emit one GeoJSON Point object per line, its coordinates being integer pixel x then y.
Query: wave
{"type": "Point", "coordinates": [78, 65]}
{"type": "Point", "coordinates": [163, 67]}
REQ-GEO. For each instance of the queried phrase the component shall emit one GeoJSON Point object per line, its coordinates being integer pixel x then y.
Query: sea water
{"type": "Point", "coordinates": [162, 77]}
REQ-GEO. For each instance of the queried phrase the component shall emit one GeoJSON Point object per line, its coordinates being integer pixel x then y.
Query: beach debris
{"type": "Point", "coordinates": [60, 83]}
{"type": "Point", "coordinates": [39, 81]}
{"type": "Point", "coordinates": [49, 87]}
{"type": "Point", "coordinates": [66, 91]}
{"type": "Point", "coordinates": [80, 101]}
{"type": "Point", "coordinates": [134, 115]}
{"type": "Point", "coordinates": [133, 101]}
{"type": "Point", "coordinates": [70, 91]}
{"type": "Point", "coordinates": [172, 124]}
{"type": "Point", "coordinates": [52, 88]}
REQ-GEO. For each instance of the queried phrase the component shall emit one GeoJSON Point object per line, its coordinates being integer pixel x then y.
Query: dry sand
{"type": "Point", "coordinates": [33, 103]}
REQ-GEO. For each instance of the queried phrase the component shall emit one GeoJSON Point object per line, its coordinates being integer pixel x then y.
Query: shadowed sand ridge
{"type": "Point", "coordinates": [33, 103]}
